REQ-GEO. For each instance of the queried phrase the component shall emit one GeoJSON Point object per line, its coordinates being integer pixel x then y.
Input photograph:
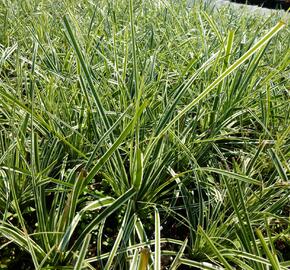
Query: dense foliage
{"type": "Point", "coordinates": [143, 135]}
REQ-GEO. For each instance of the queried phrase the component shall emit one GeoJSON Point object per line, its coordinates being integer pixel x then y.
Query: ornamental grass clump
{"type": "Point", "coordinates": [143, 135]}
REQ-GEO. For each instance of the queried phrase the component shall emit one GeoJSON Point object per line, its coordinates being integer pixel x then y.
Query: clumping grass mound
{"type": "Point", "coordinates": [143, 135]}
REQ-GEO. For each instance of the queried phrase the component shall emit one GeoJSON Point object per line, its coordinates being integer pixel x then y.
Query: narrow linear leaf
{"type": "Point", "coordinates": [84, 249]}
{"type": "Point", "coordinates": [157, 259]}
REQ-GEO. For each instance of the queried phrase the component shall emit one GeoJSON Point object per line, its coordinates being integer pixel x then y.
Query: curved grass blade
{"type": "Point", "coordinates": [17, 236]}
{"type": "Point", "coordinates": [233, 175]}
{"type": "Point", "coordinates": [103, 215]}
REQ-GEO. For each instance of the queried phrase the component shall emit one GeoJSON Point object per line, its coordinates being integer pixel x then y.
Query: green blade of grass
{"type": "Point", "coordinates": [157, 252]}
{"type": "Point", "coordinates": [242, 178]}
{"type": "Point", "coordinates": [178, 256]}
{"type": "Point", "coordinates": [103, 215]}
{"type": "Point", "coordinates": [215, 250]}
{"type": "Point", "coordinates": [200, 265]}
{"type": "Point", "coordinates": [119, 236]}
{"type": "Point", "coordinates": [84, 249]}
{"type": "Point", "coordinates": [270, 256]}
{"type": "Point", "coordinates": [113, 148]}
